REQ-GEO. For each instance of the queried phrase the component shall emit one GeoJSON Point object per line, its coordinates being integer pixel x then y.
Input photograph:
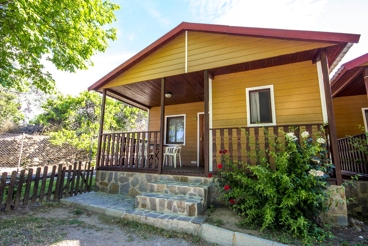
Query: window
{"type": "Point", "coordinates": [260, 106]}
{"type": "Point", "coordinates": [175, 129]}
{"type": "Point", "coordinates": [365, 118]}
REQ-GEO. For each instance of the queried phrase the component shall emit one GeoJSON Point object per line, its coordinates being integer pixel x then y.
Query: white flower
{"type": "Point", "coordinates": [305, 134]}
{"type": "Point", "coordinates": [321, 140]}
{"type": "Point", "coordinates": [316, 173]}
{"type": "Point", "coordinates": [291, 136]}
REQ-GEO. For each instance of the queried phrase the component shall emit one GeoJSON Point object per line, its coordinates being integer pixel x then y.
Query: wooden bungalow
{"type": "Point", "coordinates": [349, 87]}
{"type": "Point", "coordinates": [202, 83]}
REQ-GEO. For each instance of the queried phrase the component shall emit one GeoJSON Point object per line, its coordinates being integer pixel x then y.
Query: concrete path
{"type": "Point", "coordinates": [124, 207]}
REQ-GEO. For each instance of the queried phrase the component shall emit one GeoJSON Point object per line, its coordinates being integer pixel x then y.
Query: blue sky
{"type": "Point", "coordinates": [141, 22]}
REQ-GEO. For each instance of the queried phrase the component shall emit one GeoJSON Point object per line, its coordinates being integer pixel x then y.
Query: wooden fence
{"type": "Point", "coordinates": [28, 188]}
{"type": "Point", "coordinates": [243, 143]}
{"type": "Point", "coordinates": [353, 158]}
{"type": "Point", "coordinates": [132, 151]}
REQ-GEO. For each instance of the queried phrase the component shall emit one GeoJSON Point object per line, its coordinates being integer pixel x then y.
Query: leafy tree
{"type": "Point", "coordinates": [64, 32]}
{"type": "Point", "coordinates": [76, 120]}
{"type": "Point", "coordinates": [9, 109]}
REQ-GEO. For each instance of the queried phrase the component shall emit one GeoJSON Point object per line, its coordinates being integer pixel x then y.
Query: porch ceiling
{"type": "Point", "coordinates": [349, 79]}
{"type": "Point", "coordinates": [350, 84]}
{"type": "Point", "coordinates": [189, 87]}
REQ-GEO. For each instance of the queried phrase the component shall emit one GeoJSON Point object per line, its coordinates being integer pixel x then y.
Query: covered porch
{"type": "Point", "coordinates": [186, 75]}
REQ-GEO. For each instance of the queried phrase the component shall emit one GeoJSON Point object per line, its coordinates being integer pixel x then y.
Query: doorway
{"type": "Point", "coordinates": [200, 139]}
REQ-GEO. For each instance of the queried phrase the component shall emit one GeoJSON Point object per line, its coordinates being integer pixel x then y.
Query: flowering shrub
{"type": "Point", "coordinates": [289, 194]}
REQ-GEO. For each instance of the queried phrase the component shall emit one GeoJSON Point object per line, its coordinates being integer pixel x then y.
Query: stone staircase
{"type": "Point", "coordinates": [173, 197]}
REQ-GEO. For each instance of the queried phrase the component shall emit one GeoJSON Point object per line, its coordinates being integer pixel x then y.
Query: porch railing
{"type": "Point", "coordinates": [138, 151]}
{"type": "Point", "coordinates": [353, 158]}
{"type": "Point", "coordinates": [248, 144]}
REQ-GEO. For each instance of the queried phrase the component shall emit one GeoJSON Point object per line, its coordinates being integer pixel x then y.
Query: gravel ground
{"type": "Point", "coordinates": [57, 224]}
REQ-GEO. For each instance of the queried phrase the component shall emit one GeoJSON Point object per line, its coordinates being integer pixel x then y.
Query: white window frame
{"type": "Point", "coordinates": [273, 110]}
{"type": "Point", "coordinates": [185, 127]}
{"type": "Point", "coordinates": [365, 119]}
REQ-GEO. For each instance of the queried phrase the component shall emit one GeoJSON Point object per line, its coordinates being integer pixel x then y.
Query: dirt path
{"type": "Point", "coordinates": [60, 225]}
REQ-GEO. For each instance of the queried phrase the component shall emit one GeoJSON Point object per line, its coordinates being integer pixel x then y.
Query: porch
{"type": "Point", "coordinates": [140, 151]}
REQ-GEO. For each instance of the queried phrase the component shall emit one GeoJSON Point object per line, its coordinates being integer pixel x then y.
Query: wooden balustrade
{"type": "Point", "coordinates": [353, 159]}
{"type": "Point", "coordinates": [251, 144]}
{"type": "Point", "coordinates": [129, 151]}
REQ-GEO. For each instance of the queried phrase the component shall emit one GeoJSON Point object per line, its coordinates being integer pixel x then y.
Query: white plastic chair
{"type": "Point", "coordinates": [172, 152]}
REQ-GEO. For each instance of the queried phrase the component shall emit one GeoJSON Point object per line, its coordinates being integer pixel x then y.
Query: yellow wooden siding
{"type": "Point", "coordinates": [348, 114]}
{"type": "Point", "coordinates": [167, 61]}
{"type": "Point", "coordinates": [189, 151]}
{"type": "Point", "coordinates": [209, 50]}
{"type": "Point", "coordinates": [296, 91]}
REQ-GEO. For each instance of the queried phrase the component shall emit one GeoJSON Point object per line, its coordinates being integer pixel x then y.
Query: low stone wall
{"type": "Point", "coordinates": [134, 184]}
{"type": "Point", "coordinates": [358, 192]}
{"type": "Point", "coordinates": [337, 214]}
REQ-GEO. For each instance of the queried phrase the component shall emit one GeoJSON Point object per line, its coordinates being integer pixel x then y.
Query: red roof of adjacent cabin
{"type": "Point", "coordinates": [232, 30]}
{"type": "Point", "coordinates": [348, 73]}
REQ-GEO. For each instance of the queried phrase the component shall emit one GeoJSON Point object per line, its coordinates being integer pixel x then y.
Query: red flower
{"type": "Point", "coordinates": [224, 151]}
{"type": "Point", "coordinates": [219, 166]}
{"type": "Point", "coordinates": [220, 152]}
{"type": "Point", "coordinates": [210, 175]}
{"type": "Point", "coordinates": [227, 187]}
{"type": "Point", "coordinates": [232, 201]}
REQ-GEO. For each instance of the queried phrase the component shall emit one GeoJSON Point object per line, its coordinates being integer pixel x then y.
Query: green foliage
{"type": "Point", "coordinates": [76, 120]}
{"type": "Point", "coordinates": [360, 144]}
{"type": "Point", "coordinates": [64, 32]}
{"type": "Point", "coordinates": [9, 107]}
{"type": "Point", "coordinates": [288, 194]}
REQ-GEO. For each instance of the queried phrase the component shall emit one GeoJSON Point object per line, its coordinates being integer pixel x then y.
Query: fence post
{"type": "Point", "coordinates": [20, 153]}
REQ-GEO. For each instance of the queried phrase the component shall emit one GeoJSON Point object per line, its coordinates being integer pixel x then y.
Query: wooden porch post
{"type": "Point", "coordinates": [162, 126]}
{"type": "Point", "coordinates": [206, 123]}
{"type": "Point", "coordinates": [100, 132]}
{"type": "Point", "coordinates": [365, 74]}
{"type": "Point", "coordinates": [330, 117]}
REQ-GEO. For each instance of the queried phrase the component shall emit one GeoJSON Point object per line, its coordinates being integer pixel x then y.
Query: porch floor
{"type": "Point", "coordinates": [188, 170]}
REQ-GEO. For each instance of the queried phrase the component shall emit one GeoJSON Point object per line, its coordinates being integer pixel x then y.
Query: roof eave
{"type": "Point", "coordinates": [232, 30]}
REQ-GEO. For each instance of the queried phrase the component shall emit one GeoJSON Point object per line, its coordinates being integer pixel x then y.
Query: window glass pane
{"type": "Point", "coordinates": [260, 106]}
{"type": "Point", "coordinates": [175, 130]}
{"type": "Point", "coordinates": [265, 106]}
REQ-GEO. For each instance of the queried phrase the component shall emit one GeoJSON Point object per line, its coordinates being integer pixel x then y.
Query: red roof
{"type": "Point", "coordinates": [314, 36]}
{"type": "Point", "coordinates": [347, 74]}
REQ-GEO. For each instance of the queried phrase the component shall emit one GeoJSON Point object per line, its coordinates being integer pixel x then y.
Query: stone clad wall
{"type": "Point", "coordinates": [134, 184]}
{"type": "Point", "coordinates": [359, 192]}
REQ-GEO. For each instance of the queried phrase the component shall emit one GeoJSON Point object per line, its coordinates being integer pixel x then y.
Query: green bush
{"type": "Point", "coordinates": [289, 193]}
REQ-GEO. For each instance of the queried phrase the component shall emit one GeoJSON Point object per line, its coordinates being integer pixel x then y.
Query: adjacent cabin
{"type": "Point", "coordinates": [209, 88]}
{"type": "Point", "coordinates": [349, 87]}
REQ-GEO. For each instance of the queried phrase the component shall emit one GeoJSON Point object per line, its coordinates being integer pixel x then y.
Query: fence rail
{"type": "Point", "coordinates": [354, 160]}
{"type": "Point", "coordinates": [138, 151]}
{"type": "Point", "coordinates": [244, 143]}
{"type": "Point", "coordinates": [28, 188]}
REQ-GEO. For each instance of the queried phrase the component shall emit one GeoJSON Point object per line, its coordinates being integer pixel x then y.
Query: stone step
{"type": "Point", "coordinates": [179, 188]}
{"type": "Point", "coordinates": [169, 203]}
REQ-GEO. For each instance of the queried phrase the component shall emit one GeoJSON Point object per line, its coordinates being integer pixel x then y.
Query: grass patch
{"type": "Point", "coordinates": [31, 230]}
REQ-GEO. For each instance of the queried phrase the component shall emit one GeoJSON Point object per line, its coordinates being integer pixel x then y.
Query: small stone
{"type": "Point", "coordinates": [356, 224]}
{"type": "Point", "coordinates": [114, 188]}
